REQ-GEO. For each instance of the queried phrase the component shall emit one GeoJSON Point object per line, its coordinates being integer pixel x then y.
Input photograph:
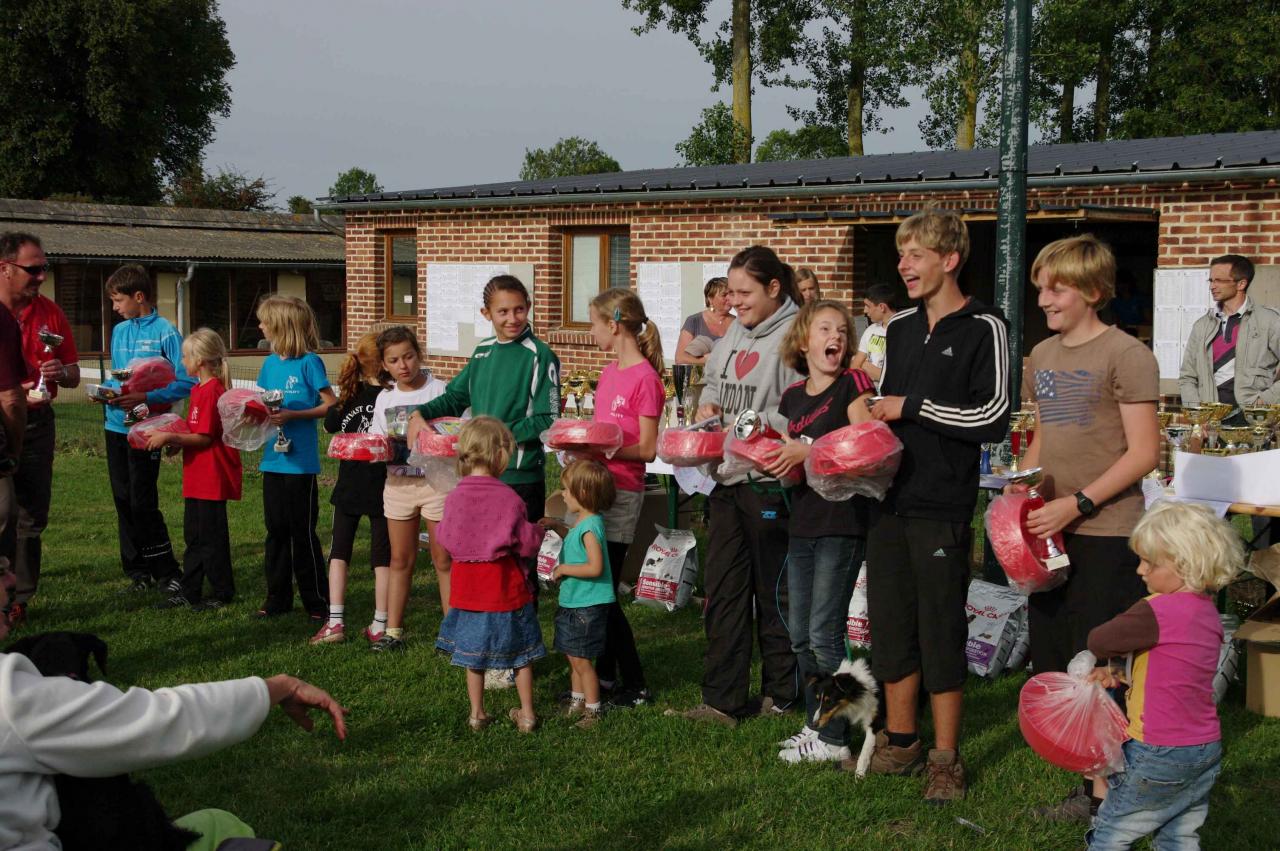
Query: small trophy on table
{"type": "Point", "coordinates": [50, 339]}
{"type": "Point", "coordinates": [681, 377]}
{"type": "Point", "coordinates": [274, 401]}
{"type": "Point", "coordinates": [1049, 551]}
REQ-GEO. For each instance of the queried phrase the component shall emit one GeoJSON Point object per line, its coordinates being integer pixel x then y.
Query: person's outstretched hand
{"type": "Point", "coordinates": [298, 698]}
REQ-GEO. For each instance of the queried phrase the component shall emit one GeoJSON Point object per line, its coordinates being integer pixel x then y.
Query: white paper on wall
{"type": "Point", "coordinates": [454, 299]}
{"type": "Point", "coordinates": [1180, 297]}
{"type": "Point", "coordinates": [719, 269]}
{"type": "Point", "coordinates": [658, 285]}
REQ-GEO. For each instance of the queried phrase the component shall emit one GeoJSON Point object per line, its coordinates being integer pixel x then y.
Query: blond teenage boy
{"type": "Point", "coordinates": [1095, 389]}
{"type": "Point", "coordinates": [945, 385]}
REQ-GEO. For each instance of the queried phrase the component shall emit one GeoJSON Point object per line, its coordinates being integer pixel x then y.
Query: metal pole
{"type": "Point", "coordinates": [1011, 205]}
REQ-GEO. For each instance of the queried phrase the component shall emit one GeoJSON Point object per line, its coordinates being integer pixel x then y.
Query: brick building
{"type": "Point", "coordinates": [1160, 203]}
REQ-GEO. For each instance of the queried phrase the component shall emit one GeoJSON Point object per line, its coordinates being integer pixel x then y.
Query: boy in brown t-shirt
{"type": "Point", "coordinates": [1095, 390]}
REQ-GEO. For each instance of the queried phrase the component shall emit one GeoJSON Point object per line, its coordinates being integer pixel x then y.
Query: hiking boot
{"type": "Point", "coordinates": [388, 644]}
{"type": "Point", "coordinates": [1075, 808]}
{"type": "Point", "coordinates": [590, 718]}
{"type": "Point", "coordinates": [703, 712]}
{"type": "Point", "coordinates": [807, 734]}
{"type": "Point", "coordinates": [814, 750]}
{"type": "Point", "coordinates": [523, 724]}
{"type": "Point", "coordinates": [887, 759]}
{"type": "Point", "coordinates": [330, 633]}
{"type": "Point", "coordinates": [573, 708]}
{"type": "Point", "coordinates": [945, 777]}
{"type": "Point", "coordinates": [177, 601]}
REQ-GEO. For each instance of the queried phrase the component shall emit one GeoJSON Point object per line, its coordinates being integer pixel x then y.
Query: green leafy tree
{"type": "Point", "coordinates": [355, 181]}
{"type": "Point", "coordinates": [227, 190]}
{"type": "Point", "coordinates": [569, 156]}
{"type": "Point", "coordinates": [804, 143]}
{"type": "Point", "coordinates": [300, 204]}
{"type": "Point", "coordinates": [717, 139]}
{"type": "Point", "coordinates": [958, 64]}
{"type": "Point", "coordinates": [108, 98]}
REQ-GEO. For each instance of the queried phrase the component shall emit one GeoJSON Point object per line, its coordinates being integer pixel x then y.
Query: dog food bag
{"type": "Point", "coordinates": [1016, 549]}
{"type": "Point", "coordinates": [1228, 658]}
{"type": "Point", "coordinates": [669, 570]}
{"type": "Point", "coordinates": [147, 374]}
{"type": "Point", "coordinates": [549, 557]}
{"type": "Point", "coordinates": [858, 627]}
{"type": "Point", "coordinates": [1021, 648]}
{"type": "Point", "coordinates": [140, 433]}
{"type": "Point", "coordinates": [245, 423]}
{"type": "Point", "coordinates": [858, 459]}
{"type": "Point", "coordinates": [753, 455]}
{"type": "Point", "coordinates": [1073, 723]}
{"type": "Point", "coordinates": [996, 616]}
{"type": "Point", "coordinates": [361, 447]}
{"type": "Point", "coordinates": [682, 447]}
{"type": "Point", "coordinates": [584, 436]}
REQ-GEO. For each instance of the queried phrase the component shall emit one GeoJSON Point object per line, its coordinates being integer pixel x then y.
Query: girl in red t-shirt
{"type": "Point", "coordinates": [211, 475]}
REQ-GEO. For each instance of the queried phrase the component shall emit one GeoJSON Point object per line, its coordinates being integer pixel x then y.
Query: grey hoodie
{"type": "Point", "coordinates": [745, 372]}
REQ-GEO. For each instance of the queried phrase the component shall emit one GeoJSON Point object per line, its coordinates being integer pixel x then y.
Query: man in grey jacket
{"type": "Point", "coordinates": [1234, 350]}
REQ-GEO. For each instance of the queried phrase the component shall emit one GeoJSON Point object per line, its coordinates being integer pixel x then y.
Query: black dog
{"type": "Point", "coordinates": [99, 813]}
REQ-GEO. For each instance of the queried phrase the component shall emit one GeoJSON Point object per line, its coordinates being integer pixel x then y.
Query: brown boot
{"type": "Point", "coordinates": [945, 777]}
{"type": "Point", "coordinates": [887, 759]}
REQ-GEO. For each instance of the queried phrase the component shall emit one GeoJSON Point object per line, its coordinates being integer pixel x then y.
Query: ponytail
{"type": "Point", "coordinates": [362, 362]}
{"type": "Point", "coordinates": [625, 307]}
{"type": "Point", "coordinates": [206, 346]}
{"type": "Point", "coordinates": [763, 266]}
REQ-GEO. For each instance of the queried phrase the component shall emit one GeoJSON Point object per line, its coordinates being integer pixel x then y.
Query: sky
{"type": "Point", "coordinates": [447, 92]}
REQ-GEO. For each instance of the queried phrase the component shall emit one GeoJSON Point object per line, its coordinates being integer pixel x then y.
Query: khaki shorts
{"type": "Point", "coordinates": [406, 497]}
{"type": "Point", "coordinates": [620, 520]}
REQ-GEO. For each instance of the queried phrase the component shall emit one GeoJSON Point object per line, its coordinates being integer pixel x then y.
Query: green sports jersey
{"type": "Point", "coordinates": [519, 383]}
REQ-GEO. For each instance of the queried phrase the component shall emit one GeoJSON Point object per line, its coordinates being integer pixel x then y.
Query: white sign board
{"type": "Point", "coordinates": [1181, 296]}
{"type": "Point", "coordinates": [455, 295]}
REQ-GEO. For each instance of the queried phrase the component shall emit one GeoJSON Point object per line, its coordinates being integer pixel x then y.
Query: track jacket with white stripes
{"type": "Point", "coordinates": [956, 384]}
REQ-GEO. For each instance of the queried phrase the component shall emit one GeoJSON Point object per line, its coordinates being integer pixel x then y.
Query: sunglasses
{"type": "Point", "coordinates": [33, 271]}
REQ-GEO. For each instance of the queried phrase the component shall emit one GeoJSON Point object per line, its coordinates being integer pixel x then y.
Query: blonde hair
{"type": "Point", "coordinates": [363, 362]}
{"type": "Point", "coordinates": [206, 346]}
{"type": "Point", "coordinates": [1084, 263]}
{"type": "Point", "coordinates": [938, 230]}
{"type": "Point", "coordinates": [290, 324]}
{"type": "Point", "coordinates": [590, 483]}
{"type": "Point", "coordinates": [797, 337]}
{"type": "Point", "coordinates": [625, 307]}
{"type": "Point", "coordinates": [484, 443]}
{"type": "Point", "coordinates": [1202, 549]}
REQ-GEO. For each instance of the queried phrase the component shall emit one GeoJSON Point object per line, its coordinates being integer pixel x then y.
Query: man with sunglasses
{"type": "Point", "coordinates": [13, 423]}
{"type": "Point", "coordinates": [22, 270]}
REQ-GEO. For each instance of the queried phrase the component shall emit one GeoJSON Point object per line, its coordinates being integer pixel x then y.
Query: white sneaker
{"type": "Point", "coordinates": [814, 750]}
{"type": "Point", "coordinates": [806, 734]}
{"type": "Point", "coordinates": [499, 679]}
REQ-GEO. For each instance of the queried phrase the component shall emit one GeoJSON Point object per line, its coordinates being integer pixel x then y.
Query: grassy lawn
{"type": "Point", "coordinates": [412, 776]}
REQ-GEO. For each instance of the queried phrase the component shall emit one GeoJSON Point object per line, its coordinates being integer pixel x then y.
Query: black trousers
{"type": "Point", "coordinates": [290, 508]}
{"type": "Point", "coordinates": [145, 550]}
{"type": "Point", "coordinates": [746, 554]}
{"type": "Point", "coordinates": [33, 485]}
{"type": "Point", "coordinates": [620, 654]}
{"type": "Point", "coordinates": [208, 555]}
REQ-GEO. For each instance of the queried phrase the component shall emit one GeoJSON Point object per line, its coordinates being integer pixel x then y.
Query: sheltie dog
{"type": "Point", "coordinates": [851, 693]}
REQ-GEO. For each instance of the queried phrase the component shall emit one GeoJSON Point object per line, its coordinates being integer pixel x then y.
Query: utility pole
{"type": "Point", "coordinates": [1011, 204]}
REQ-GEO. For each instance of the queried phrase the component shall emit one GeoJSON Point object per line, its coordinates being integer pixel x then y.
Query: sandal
{"type": "Point", "coordinates": [478, 724]}
{"type": "Point", "coordinates": [524, 725]}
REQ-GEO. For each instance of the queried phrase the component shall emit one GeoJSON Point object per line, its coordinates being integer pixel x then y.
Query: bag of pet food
{"type": "Point", "coordinates": [1228, 658]}
{"type": "Point", "coordinates": [141, 432]}
{"type": "Point", "coordinates": [245, 421]}
{"type": "Point", "coordinates": [996, 617]}
{"type": "Point", "coordinates": [858, 627]}
{"type": "Point", "coordinates": [549, 557]}
{"type": "Point", "coordinates": [669, 570]}
{"type": "Point", "coordinates": [1071, 722]}
{"type": "Point", "coordinates": [585, 436]}
{"type": "Point", "coordinates": [1021, 648]}
{"type": "Point", "coordinates": [859, 459]}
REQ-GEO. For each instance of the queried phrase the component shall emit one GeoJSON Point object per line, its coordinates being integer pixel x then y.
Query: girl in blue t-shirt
{"type": "Point", "coordinates": [290, 497]}
{"type": "Point", "coordinates": [586, 583]}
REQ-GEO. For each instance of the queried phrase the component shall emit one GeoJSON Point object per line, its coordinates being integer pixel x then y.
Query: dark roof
{"type": "Point", "coordinates": [119, 232]}
{"type": "Point", "coordinates": [1121, 156]}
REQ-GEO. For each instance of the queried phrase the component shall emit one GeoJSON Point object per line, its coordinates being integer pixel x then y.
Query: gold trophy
{"type": "Point", "coordinates": [1198, 416]}
{"type": "Point", "coordinates": [1258, 437]}
{"type": "Point", "coordinates": [1237, 438]}
{"type": "Point", "coordinates": [50, 339]}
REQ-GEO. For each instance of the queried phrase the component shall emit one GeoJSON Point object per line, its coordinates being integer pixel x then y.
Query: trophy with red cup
{"type": "Point", "coordinates": [1049, 550]}
{"type": "Point", "coordinates": [274, 400]}
{"type": "Point", "coordinates": [50, 339]}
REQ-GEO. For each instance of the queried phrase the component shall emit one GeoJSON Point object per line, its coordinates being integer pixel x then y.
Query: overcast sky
{"type": "Point", "coordinates": [443, 92]}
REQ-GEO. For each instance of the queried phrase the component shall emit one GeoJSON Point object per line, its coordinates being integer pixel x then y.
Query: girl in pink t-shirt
{"type": "Point", "coordinates": [630, 394]}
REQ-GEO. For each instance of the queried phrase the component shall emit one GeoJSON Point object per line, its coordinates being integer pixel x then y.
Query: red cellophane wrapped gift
{"type": "Point", "coordinates": [1073, 723]}
{"type": "Point", "coordinates": [1017, 550]}
{"type": "Point", "coordinates": [140, 433]}
{"type": "Point", "coordinates": [586, 436]}
{"type": "Point", "coordinates": [754, 454]}
{"type": "Point", "coordinates": [681, 447]}
{"type": "Point", "coordinates": [147, 374]}
{"type": "Point", "coordinates": [361, 447]}
{"type": "Point", "coordinates": [857, 459]}
{"type": "Point", "coordinates": [245, 423]}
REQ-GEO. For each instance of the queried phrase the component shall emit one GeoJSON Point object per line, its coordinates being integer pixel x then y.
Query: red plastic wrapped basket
{"type": "Point", "coordinates": [140, 433]}
{"type": "Point", "coordinates": [435, 442]}
{"type": "Point", "coordinates": [857, 459]}
{"type": "Point", "coordinates": [756, 454]}
{"type": "Point", "coordinates": [681, 447]}
{"type": "Point", "coordinates": [147, 374]}
{"type": "Point", "coordinates": [361, 447]}
{"type": "Point", "coordinates": [586, 436]}
{"type": "Point", "coordinates": [245, 421]}
{"type": "Point", "coordinates": [1072, 723]}
{"type": "Point", "coordinates": [1015, 548]}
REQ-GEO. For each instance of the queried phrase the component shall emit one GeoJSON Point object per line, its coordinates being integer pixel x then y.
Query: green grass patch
{"type": "Point", "coordinates": [412, 776]}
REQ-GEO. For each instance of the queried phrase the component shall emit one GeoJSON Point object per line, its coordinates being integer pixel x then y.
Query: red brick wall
{"type": "Point", "coordinates": [1195, 224]}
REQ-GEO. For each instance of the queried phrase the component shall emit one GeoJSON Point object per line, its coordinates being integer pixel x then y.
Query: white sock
{"type": "Point", "coordinates": [593, 707]}
{"type": "Point", "coordinates": [577, 696]}
{"type": "Point", "coordinates": [379, 622]}
{"type": "Point", "coordinates": [335, 614]}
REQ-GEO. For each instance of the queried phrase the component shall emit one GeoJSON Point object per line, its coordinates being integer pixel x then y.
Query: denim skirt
{"type": "Point", "coordinates": [582, 631]}
{"type": "Point", "coordinates": [491, 640]}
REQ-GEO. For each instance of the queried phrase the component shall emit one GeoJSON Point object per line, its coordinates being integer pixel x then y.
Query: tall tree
{"type": "Point", "coordinates": [229, 189]}
{"type": "Point", "coordinates": [811, 142]}
{"type": "Point", "coordinates": [355, 181]}
{"type": "Point", "coordinates": [959, 67]}
{"type": "Point", "coordinates": [759, 36]}
{"type": "Point", "coordinates": [108, 98]}
{"type": "Point", "coordinates": [717, 139]}
{"type": "Point", "coordinates": [569, 156]}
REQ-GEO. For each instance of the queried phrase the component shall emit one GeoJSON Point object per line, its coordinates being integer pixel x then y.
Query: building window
{"type": "Point", "coordinates": [80, 290]}
{"type": "Point", "coordinates": [594, 261]}
{"type": "Point", "coordinates": [226, 300]}
{"type": "Point", "coordinates": [401, 254]}
{"type": "Point", "coordinates": [324, 294]}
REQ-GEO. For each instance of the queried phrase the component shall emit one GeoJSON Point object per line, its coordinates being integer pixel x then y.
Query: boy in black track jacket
{"type": "Point", "coordinates": [945, 386]}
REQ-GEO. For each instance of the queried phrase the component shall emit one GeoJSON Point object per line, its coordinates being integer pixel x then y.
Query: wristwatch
{"type": "Point", "coordinates": [1084, 504]}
